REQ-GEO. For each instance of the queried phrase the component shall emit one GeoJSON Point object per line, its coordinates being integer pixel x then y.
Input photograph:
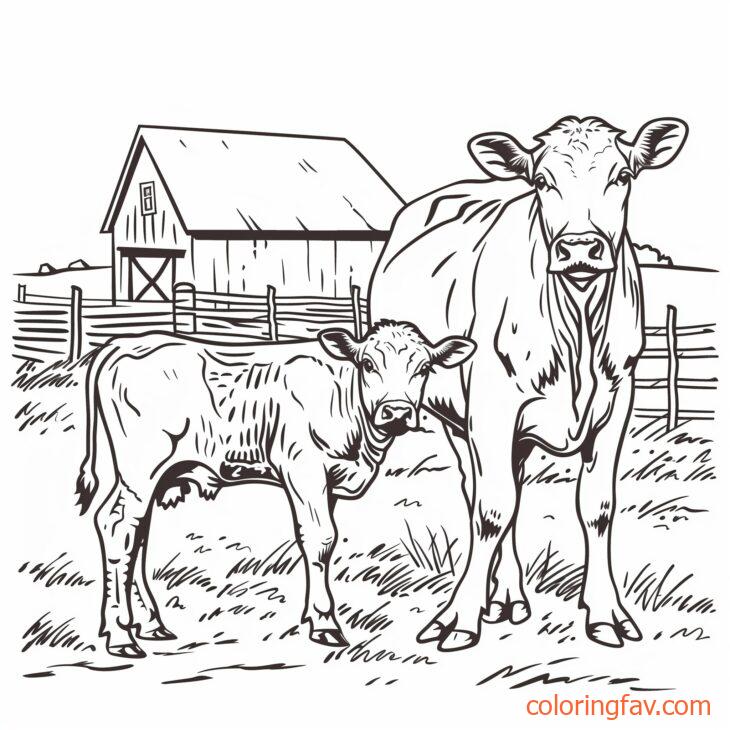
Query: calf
{"type": "Point", "coordinates": [182, 415]}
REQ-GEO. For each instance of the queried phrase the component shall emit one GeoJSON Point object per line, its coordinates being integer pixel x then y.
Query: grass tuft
{"type": "Point", "coordinates": [43, 632]}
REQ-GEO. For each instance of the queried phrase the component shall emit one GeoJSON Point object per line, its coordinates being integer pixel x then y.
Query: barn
{"type": "Point", "coordinates": [236, 212]}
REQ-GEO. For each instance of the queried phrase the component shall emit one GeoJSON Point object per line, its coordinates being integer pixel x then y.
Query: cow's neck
{"type": "Point", "coordinates": [579, 320]}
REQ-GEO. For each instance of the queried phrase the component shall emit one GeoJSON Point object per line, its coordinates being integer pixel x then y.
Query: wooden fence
{"type": "Point", "coordinates": [676, 367]}
{"type": "Point", "coordinates": [271, 317]}
{"type": "Point", "coordinates": [53, 328]}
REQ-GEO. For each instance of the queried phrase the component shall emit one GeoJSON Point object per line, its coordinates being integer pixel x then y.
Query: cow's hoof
{"type": "Point", "coordinates": [158, 634]}
{"type": "Point", "coordinates": [432, 632]}
{"type": "Point", "coordinates": [520, 612]}
{"type": "Point", "coordinates": [127, 651]}
{"type": "Point", "coordinates": [328, 637]}
{"type": "Point", "coordinates": [456, 640]}
{"type": "Point", "coordinates": [604, 634]}
{"type": "Point", "coordinates": [496, 612]}
{"type": "Point", "coordinates": [628, 630]}
{"type": "Point", "coordinates": [516, 612]}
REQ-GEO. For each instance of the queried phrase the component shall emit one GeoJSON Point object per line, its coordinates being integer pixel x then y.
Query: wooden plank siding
{"type": "Point", "coordinates": [162, 229]}
{"type": "Point", "coordinates": [296, 268]}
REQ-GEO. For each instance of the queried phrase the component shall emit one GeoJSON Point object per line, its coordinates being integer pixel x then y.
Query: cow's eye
{"type": "Point", "coordinates": [367, 365]}
{"type": "Point", "coordinates": [623, 177]}
{"type": "Point", "coordinates": [540, 182]}
{"type": "Point", "coordinates": [426, 369]}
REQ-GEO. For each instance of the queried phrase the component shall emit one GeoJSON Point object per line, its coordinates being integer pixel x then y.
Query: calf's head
{"type": "Point", "coordinates": [582, 170]}
{"type": "Point", "coordinates": [393, 361]}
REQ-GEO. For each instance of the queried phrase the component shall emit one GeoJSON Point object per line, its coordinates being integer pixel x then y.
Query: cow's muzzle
{"type": "Point", "coordinates": [395, 417]}
{"type": "Point", "coordinates": [581, 256]}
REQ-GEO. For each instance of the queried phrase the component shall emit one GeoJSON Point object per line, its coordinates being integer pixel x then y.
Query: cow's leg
{"type": "Point", "coordinates": [607, 622]}
{"type": "Point", "coordinates": [117, 523]}
{"type": "Point", "coordinates": [145, 613]}
{"type": "Point", "coordinates": [316, 536]}
{"type": "Point", "coordinates": [492, 498]}
{"type": "Point", "coordinates": [508, 601]}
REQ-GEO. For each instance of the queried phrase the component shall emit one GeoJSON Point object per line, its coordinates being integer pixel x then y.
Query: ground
{"type": "Point", "coordinates": [231, 584]}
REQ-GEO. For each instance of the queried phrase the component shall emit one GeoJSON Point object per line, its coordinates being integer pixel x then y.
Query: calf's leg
{"type": "Point", "coordinates": [118, 523]}
{"type": "Point", "coordinates": [316, 536]}
{"type": "Point", "coordinates": [145, 613]}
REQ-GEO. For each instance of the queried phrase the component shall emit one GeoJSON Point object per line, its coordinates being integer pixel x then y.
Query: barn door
{"type": "Point", "coordinates": [150, 272]}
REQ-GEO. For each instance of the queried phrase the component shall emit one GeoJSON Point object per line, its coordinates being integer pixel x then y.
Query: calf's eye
{"type": "Point", "coordinates": [540, 182]}
{"type": "Point", "coordinates": [426, 369]}
{"type": "Point", "coordinates": [367, 365]}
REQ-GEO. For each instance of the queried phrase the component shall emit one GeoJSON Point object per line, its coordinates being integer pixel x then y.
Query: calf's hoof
{"type": "Point", "coordinates": [458, 639]}
{"type": "Point", "coordinates": [328, 637]}
{"type": "Point", "coordinates": [126, 651]}
{"type": "Point", "coordinates": [605, 634]}
{"type": "Point", "coordinates": [159, 633]}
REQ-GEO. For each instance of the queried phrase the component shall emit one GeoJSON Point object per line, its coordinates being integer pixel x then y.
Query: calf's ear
{"type": "Point", "coordinates": [338, 343]}
{"type": "Point", "coordinates": [452, 351]}
{"type": "Point", "coordinates": [501, 156]}
{"type": "Point", "coordinates": [657, 144]}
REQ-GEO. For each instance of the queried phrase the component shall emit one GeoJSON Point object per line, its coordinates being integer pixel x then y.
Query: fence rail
{"type": "Point", "coordinates": [673, 367]}
{"type": "Point", "coordinates": [51, 328]}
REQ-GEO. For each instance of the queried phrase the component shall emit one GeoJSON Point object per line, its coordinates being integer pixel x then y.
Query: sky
{"type": "Point", "coordinates": [408, 83]}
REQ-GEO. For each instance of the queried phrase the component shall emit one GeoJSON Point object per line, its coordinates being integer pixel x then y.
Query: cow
{"type": "Point", "coordinates": [315, 418]}
{"type": "Point", "coordinates": [535, 264]}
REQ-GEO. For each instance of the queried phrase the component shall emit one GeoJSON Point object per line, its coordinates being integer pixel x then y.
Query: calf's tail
{"type": "Point", "coordinates": [88, 481]}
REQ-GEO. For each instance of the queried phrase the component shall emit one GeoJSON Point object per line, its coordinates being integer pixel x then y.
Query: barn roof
{"type": "Point", "coordinates": [231, 184]}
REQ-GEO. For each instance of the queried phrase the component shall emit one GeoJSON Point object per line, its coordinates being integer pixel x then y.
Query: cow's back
{"type": "Point", "coordinates": [426, 272]}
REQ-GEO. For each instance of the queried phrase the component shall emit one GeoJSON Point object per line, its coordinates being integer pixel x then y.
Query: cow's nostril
{"type": "Point", "coordinates": [562, 251]}
{"type": "Point", "coordinates": [596, 250]}
{"type": "Point", "coordinates": [386, 413]}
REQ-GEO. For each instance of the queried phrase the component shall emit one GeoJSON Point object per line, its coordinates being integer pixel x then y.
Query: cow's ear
{"type": "Point", "coordinates": [657, 144]}
{"type": "Point", "coordinates": [501, 156]}
{"type": "Point", "coordinates": [338, 343]}
{"type": "Point", "coordinates": [452, 351]}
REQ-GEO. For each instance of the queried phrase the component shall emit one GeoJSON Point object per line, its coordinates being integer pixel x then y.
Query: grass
{"type": "Point", "coordinates": [56, 572]}
{"type": "Point", "coordinates": [44, 632]}
{"type": "Point", "coordinates": [650, 588]}
{"type": "Point", "coordinates": [230, 579]}
{"type": "Point", "coordinates": [548, 573]}
{"type": "Point", "coordinates": [655, 590]}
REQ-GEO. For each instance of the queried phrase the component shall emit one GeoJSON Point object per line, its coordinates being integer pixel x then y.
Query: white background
{"type": "Point", "coordinates": [409, 84]}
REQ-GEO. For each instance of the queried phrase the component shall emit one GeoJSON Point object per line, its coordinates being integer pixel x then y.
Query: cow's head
{"type": "Point", "coordinates": [582, 172]}
{"type": "Point", "coordinates": [393, 361]}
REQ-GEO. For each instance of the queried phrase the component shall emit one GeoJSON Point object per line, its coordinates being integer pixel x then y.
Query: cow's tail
{"type": "Point", "coordinates": [88, 481]}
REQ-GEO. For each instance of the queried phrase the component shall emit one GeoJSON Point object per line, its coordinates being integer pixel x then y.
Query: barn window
{"type": "Point", "coordinates": [147, 198]}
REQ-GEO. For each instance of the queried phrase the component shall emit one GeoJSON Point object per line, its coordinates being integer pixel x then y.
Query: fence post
{"type": "Point", "coordinates": [356, 311]}
{"type": "Point", "coordinates": [672, 369]}
{"type": "Point", "coordinates": [271, 311]}
{"type": "Point", "coordinates": [21, 293]}
{"type": "Point", "coordinates": [76, 333]}
{"type": "Point", "coordinates": [183, 297]}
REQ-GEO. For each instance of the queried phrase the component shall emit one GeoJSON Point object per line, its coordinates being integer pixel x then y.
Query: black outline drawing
{"type": "Point", "coordinates": [571, 298]}
{"type": "Point", "coordinates": [527, 278]}
{"type": "Point", "coordinates": [276, 414]}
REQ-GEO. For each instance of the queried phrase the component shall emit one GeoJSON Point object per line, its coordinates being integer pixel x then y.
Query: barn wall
{"type": "Point", "coordinates": [295, 268]}
{"type": "Point", "coordinates": [162, 229]}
